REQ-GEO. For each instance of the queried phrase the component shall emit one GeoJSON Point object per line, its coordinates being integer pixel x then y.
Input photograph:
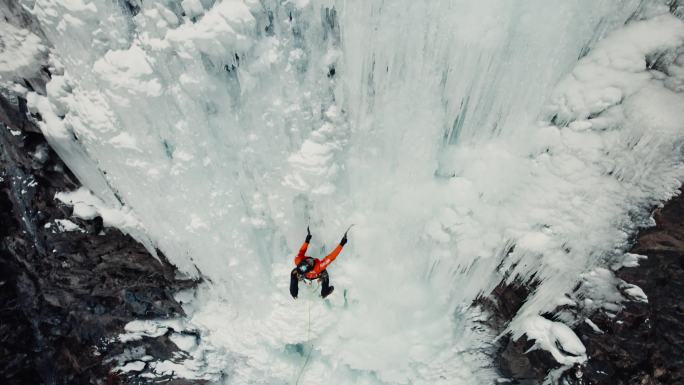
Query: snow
{"type": "Point", "coordinates": [556, 338]}
{"type": "Point", "coordinates": [615, 69]}
{"type": "Point", "coordinates": [124, 140]}
{"type": "Point", "coordinates": [629, 260]}
{"type": "Point", "coordinates": [66, 225]}
{"type": "Point", "coordinates": [221, 29]}
{"type": "Point", "coordinates": [21, 52]}
{"type": "Point", "coordinates": [137, 329]}
{"type": "Point", "coordinates": [217, 136]}
{"type": "Point", "coordinates": [135, 366]}
{"type": "Point", "coordinates": [184, 342]}
{"type": "Point", "coordinates": [192, 8]}
{"type": "Point", "coordinates": [129, 71]}
{"type": "Point", "coordinates": [635, 292]}
{"type": "Point", "coordinates": [88, 206]}
{"type": "Point", "coordinates": [192, 362]}
{"type": "Point", "coordinates": [593, 326]}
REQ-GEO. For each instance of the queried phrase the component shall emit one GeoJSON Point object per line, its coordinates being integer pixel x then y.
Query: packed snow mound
{"type": "Point", "coordinates": [556, 338]}
{"type": "Point", "coordinates": [612, 114]}
{"type": "Point", "coordinates": [128, 71]}
{"type": "Point", "coordinates": [614, 70]}
{"type": "Point", "coordinates": [223, 28]}
{"type": "Point", "coordinates": [227, 127]}
{"type": "Point", "coordinates": [635, 292]}
{"type": "Point", "coordinates": [88, 206]}
{"type": "Point", "coordinates": [21, 51]}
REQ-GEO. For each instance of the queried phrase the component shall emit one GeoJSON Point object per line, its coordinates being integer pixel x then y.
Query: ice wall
{"type": "Point", "coordinates": [228, 126]}
{"type": "Point", "coordinates": [480, 68]}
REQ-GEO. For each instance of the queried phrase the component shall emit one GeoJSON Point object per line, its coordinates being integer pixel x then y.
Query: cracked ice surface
{"type": "Point", "coordinates": [435, 127]}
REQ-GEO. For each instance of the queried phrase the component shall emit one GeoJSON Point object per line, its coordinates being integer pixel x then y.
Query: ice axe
{"type": "Point", "coordinates": [349, 228]}
{"type": "Point", "coordinates": [344, 237]}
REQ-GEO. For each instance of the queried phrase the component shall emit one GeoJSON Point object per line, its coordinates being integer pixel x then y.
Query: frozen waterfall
{"type": "Point", "coordinates": [470, 142]}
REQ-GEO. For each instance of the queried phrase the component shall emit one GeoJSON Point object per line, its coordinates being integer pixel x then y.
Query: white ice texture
{"type": "Point", "coordinates": [465, 139]}
{"type": "Point", "coordinates": [20, 49]}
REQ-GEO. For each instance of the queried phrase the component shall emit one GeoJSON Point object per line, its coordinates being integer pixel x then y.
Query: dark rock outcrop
{"type": "Point", "coordinates": [644, 343]}
{"type": "Point", "coordinates": [65, 296]}
{"type": "Point", "coordinates": [511, 358]}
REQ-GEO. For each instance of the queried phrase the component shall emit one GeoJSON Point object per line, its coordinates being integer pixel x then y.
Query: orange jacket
{"type": "Point", "coordinates": [319, 265]}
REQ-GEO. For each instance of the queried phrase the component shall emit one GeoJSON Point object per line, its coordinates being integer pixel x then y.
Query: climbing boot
{"type": "Point", "coordinates": [325, 293]}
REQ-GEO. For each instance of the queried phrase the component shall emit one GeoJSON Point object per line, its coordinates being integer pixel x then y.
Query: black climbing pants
{"type": "Point", "coordinates": [325, 283]}
{"type": "Point", "coordinates": [323, 277]}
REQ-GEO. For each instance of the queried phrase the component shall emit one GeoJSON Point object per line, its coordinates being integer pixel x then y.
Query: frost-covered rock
{"type": "Point", "coordinates": [22, 53]}
{"type": "Point", "coordinates": [226, 127]}
{"type": "Point", "coordinates": [556, 338]}
{"type": "Point", "coordinates": [63, 278]}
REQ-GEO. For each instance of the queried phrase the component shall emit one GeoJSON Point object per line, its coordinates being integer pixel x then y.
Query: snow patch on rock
{"type": "Point", "coordinates": [21, 52]}
{"type": "Point", "coordinates": [556, 338]}
{"type": "Point", "coordinates": [67, 225]}
{"type": "Point", "coordinates": [87, 206]}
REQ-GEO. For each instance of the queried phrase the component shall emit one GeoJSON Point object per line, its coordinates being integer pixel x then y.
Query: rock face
{"type": "Point", "coordinates": [644, 344]}
{"type": "Point", "coordinates": [511, 360]}
{"type": "Point", "coordinates": [65, 295]}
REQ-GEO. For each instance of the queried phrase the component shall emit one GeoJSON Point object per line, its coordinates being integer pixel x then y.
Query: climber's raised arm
{"type": "Point", "coordinates": [302, 249]}
{"type": "Point", "coordinates": [331, 257]}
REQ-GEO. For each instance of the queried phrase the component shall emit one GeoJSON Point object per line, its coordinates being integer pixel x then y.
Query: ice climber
{"type": "Point", "coordinates": [313, 268]}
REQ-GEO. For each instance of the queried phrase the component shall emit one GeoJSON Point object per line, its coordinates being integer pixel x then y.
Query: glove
{"type": "Point", "coordinates": [344, 240]}
{"type": "Point", "coordinates": [308, 234]}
